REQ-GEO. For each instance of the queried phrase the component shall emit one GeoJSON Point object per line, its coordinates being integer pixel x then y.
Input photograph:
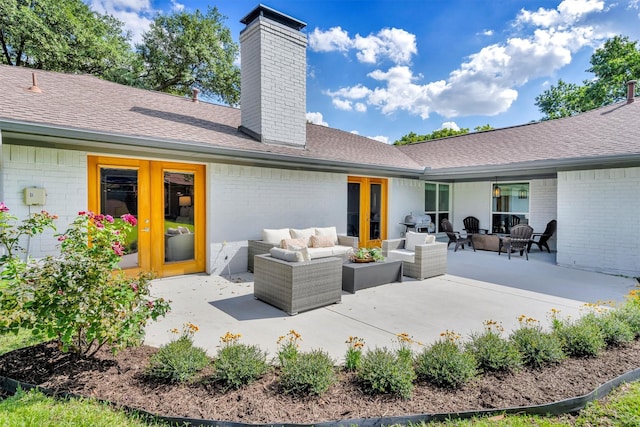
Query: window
{"type": "Point", "coordinates": [436, 203]}
{"type": "Point", "coordinates": [510, 205]}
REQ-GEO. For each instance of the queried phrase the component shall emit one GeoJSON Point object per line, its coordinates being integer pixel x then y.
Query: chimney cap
{"type": "Point", "coordinates": [631, 87]}
{"type": "Point", "coordinates": [274, 15]}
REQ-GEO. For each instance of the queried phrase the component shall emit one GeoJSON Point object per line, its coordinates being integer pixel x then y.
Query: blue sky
{"type": "Point", "coordinates": [384, 68]}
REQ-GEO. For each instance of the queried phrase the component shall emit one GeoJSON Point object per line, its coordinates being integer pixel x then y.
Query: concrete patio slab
{"type": "Point", "coordinates": [422, 309]}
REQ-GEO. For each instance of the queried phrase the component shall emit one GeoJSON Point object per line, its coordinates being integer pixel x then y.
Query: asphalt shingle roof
{"type": "Point", "coordinates": [83, 102]}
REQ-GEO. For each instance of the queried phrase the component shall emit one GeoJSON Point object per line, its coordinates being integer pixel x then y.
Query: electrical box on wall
{"type": "Point", "coordinates": [35, 196]}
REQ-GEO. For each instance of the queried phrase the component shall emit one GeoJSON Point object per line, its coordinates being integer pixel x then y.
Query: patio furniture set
{"type": "Point", "coordinates": [520, 238]}
{"type": "Point", "coordinates": [310, 268]}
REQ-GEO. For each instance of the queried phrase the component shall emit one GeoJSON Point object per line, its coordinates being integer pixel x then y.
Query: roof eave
{"type": "Point", "coordinates": [61, 137]}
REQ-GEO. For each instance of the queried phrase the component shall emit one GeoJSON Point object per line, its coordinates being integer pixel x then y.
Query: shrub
{"type": "Point", "coordinates": [492, 352]}
{"type": "Point", "coordinates": [76, 297]}
{"type": "Point", "coordinates": [630, 312]}
{"type": "Point", "coordinates": [384, 371]}
{"type": "Point", "coordinates": [178, 361]}
{"type": "Point", "coordinates": [238, 364]}
{"type": "Point", "coordinates": [536, 347]}
{"type": "Point", "coordinates": [582, 338]}
{"type": "Point", "coordinates": [288, 347]}
{"type": "Point", "coordinates": [445, 364]}
{"type": "Point", "coordinates": [353, 357]}
{"type": "Point", "coordinates": [307, 373]}
{"type": "Point", "coordinates": [615, 330]}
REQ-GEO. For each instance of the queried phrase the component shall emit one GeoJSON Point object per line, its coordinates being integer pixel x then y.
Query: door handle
{"type": "Point", "coordinates": [146, 229]}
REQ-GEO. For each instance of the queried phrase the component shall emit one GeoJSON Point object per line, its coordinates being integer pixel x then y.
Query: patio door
{"type": "Point", "coordinates": [367, 210]}
{"type": "Point", "coordinates": [167, 200]}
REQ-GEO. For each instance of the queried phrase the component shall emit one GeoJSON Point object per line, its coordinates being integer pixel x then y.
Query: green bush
{"type": "Point", "coordinates": [384, 371]}
{"type": "Point", "coordinates": [178, 361]}
{"type": "Point", "coordinates": [582, 338]}
{"type": "Point", "coordinates": [492, 352]}
{"type": "Point", "coordinates": [630, 314]}
{"type": "Point", "coordinates": [288, 347]}
{"type": "Point", "coordinates": [308, 373]}
{"type": "Point", "coordinates": [536, 347]}
{"type": "Point", "coordinates": [239, 364]}
{"type": "Point", "coordinates": [445, 364]}
{"type": "Point", "coordinates": [615, 330]}
{"type": "Point", "coordinates": [76, 297]}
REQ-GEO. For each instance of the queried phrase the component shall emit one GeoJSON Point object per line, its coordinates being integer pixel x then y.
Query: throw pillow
{"type": "Point", "coordinates": [306, 256]}
{"type": "Point", "coordinates": [328, 231]}
{"type": "Point", "coordinates": [275, 236]}
{"type": "Point", "coordinates": [304, 233]}
{"type": "Point", "coordinates": [293, 244]}
{"type": "Point", "coordinates": [431, 238]}
{"type": "Point", "coordinates": [286, 255]}
{"type": "Point", "coordinates": [321, 241]}
{"type": "Point", "coordinates": [412, 239]}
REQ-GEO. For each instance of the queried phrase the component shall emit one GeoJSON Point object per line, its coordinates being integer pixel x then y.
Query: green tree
{"type": "Point", "coordinates": [615, 63]}
{"type": "Point", "coordinates": [63, 35]}
{"type": "Point", "coordinates": [483, 128]}
{"type": "Point", "coordinates": [184, 50]}
{"type": "Point", "coordinates": [412, 137]}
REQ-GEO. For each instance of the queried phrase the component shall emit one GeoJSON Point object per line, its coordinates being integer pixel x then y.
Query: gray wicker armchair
{"type": "Point", "coordinates": [297, 286]}
{"type": "Point", "coordinates": [425, 261]}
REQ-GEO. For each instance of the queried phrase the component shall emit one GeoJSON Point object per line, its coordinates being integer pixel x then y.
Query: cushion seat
{"type": "Point", "coordinates": [402, 255]}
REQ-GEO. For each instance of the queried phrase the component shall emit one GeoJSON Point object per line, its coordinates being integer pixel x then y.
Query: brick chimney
{"type": "Point", "coordinates": [273, 78]}
{"type": "Point", "coordinates": [631, 90]}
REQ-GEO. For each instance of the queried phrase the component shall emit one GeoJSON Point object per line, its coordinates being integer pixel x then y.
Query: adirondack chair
{"type": "Point", "coordinates": [543, 237]}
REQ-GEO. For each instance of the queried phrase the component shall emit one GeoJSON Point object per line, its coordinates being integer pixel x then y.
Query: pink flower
{"type": "Point", "coordinates": [3, 207]}
{"type": "Point", "coordinates": [117, 248]}
{"type": "Point", "coordinates": [134, 286]}
{"type": "Point", "coordinates": [82, 213]}
{"type": "Point", "coordinates": [108, 218]}
{"type": "Point", "coordinates": [129, 219]}
{"type": "Point", "coordinates": [62, 238]}
{"type": "Point", "coordinates": [150, 304]}
{"type": "Point", "coordinates": [98, 224]}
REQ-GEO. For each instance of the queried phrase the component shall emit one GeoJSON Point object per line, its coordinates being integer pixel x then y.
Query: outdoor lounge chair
{"type": "Point", "coordinates": [454, 236]}
{"type": "Point", "coordinates": [517, 240]}
{"type": "Point", "coordinates": [543, 237]}
{"type": "Point", "coordinates": [472, 226]}
{"type": "Point", "coordinates": [420, 261]}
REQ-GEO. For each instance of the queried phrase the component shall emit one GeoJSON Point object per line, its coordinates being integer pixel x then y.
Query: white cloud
{"type": "Point", "coordinates": [328, 41]}
{"type": "Point", "coordinates": [135, 14]}
{"type": "Point", "coordinates": [568, 12]}
{"type": "Point", "coordinates": [342, 104]}
{"type": "Point", "coordinates": [360, 107]}
{"type": "Point", "coordinates": [355, 132]}
{"type": "Point", "coordinates": [450, 125]}
{"type": "Point", "coordinates": [380, 138]}
{"type": "Point", "coordinates": [178, 7]}
{"type": "Point", "coordinates": [486, 82]}
{"type": "Point", "coordinates": [316, 118]}
{"type": "Point", "coordinates": [486, 33]}
{"type": "Point", "coordinates": [394, 44]}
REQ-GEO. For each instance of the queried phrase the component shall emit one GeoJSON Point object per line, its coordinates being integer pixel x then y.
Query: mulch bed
{"type": "Point", "coordinates": [120, 379]}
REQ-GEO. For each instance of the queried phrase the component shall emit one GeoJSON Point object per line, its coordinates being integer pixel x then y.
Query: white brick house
{"type": "Point", "coordinates": [225, 174]}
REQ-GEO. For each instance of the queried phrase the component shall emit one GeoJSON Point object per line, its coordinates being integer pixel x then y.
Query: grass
{"type": "Point", "coordinates": [620, 408]}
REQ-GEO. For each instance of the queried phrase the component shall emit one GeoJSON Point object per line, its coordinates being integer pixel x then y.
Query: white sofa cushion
{"type": "Point", "coordinates": [401, 255]}
{"type": "Point", "coordinates": [328, 231]}
{"type": "Point", "coordinates": [315, 253]}
{"type": "Point", "coordinates": [286, 255]}
{"type": "Point", "coordinates": [275, 235]}
{"type": "Point", "coordinates": [339, 250]}
{"type": "Point", "coordinates": [412, 239]}
{"type": "Point", "coordinates": [304, 233]}
{"type": "Point", "coordinates": [431, 238]}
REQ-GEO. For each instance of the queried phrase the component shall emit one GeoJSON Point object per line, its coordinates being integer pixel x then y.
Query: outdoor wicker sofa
{"type": "Point", "coordinates": [426, 260]}
{"type": "Point", "coordinates": [294, 287]}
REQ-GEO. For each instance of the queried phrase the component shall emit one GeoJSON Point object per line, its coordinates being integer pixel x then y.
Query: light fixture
{"type": "Point", "coordinates": [522, 194]}
{"type": "Point", "coordinates": [184, 200]}
{"type": "Point", "coordinates": [497, 192]}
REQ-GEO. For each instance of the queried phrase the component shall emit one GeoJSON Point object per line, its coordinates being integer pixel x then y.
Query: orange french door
{"type": "Point", "coordinates": [367, 210]}
{"type": "Point", "coordinates": [167, 199]}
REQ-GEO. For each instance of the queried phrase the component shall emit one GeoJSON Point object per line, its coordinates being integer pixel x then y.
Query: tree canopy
{"type": "Point", "coordinates": [187, 50]}
{"type": "Point", "coordinates": [615, 63]}
{"type": "Point", "coordinates": [179, 52]}
{"type": "Point", "coordinates": [413, 137]}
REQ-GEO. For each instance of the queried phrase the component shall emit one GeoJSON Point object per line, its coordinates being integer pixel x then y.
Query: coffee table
{"type": "Point", "coordinates": [356, 276]}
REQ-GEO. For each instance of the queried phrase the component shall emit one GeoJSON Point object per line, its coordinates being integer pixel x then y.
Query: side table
{"type": "Point", "coordinates": [357, 276]}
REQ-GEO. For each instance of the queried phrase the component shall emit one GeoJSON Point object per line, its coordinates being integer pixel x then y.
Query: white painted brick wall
{"type": "Point", "coordinates": [273, 92]}
{"type": "Point", "coordinates": [243, 200]}
{"type": "Point", "coordinates": [405, 196]}
{"type": "Point", "coordinates": [543, 206]}
{"type": "Point", "coordinates": [598, 227]}
{"type": "Point", "coordinates": [62, 173]}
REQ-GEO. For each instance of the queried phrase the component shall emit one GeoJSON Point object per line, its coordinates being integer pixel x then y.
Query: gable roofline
{"type": "Point", "coordinates": [62, 137]}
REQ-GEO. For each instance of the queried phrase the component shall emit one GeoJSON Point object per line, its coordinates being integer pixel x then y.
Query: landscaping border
{"type": "Point", "coordinates": [560, 407]}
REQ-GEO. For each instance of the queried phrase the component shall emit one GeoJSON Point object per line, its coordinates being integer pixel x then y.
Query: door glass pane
{"type": "Point", "coordinates": [430, 197]}
{"type": "Point", "coordinates": [353, 209]}
{"type": "Point", "coordinates": [443, 197]}
{"type": "Point", "coordinates": [179, 207]}
{"type": "Point", "coordinates": [119, 196]}
{"type": "Point", "coordinates": [375, 209]}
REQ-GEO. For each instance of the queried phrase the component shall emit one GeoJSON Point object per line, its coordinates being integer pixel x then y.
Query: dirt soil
{"type": "Point", "coordinates": [120, 380]}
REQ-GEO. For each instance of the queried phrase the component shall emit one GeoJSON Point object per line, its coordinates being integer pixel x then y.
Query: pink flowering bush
{"type": "Point", "coordinates": [81, 298]}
